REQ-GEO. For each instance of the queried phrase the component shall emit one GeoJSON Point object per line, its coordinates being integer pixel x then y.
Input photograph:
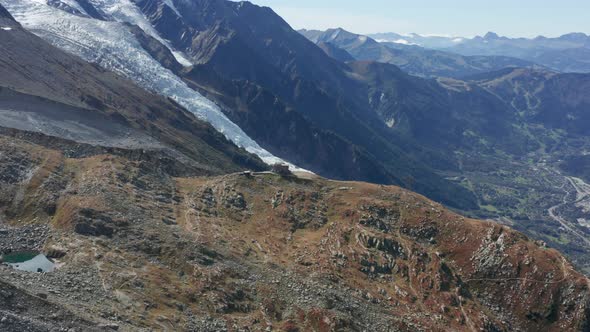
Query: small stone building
{"type": "Point", "coordinates": [281, 169]}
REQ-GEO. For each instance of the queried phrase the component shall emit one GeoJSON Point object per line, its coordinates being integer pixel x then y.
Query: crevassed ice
{"type": "Point", "coordinates": [111, 45]}
{"type": "Point", "coordinates": [74, 4]}
{"type": "Point", "coordinates": [126, 11]}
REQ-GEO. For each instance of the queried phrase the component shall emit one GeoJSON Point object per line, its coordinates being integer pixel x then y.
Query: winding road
{"type": "Point", "coordinates": [582, 193]}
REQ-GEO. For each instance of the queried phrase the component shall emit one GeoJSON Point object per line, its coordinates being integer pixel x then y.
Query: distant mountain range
{"type": "Point", "coordinates": [413, 59]}
{"type": "Point", "coordinates": [426, 41]}
{"type": "Point", "coordinates": [567, 53]}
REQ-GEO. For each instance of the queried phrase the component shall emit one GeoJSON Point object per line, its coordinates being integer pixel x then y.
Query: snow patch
{"type": "Point", "coordinates": [335, 34]}
{"type": "Point", "coordinates": [180, 58]}
{"type": "Point", "coordinates": [390, 123]}
{"type": "Point", "coordinates": [404, 42]}
{"type": "Point", "coordinates": [170, 4]}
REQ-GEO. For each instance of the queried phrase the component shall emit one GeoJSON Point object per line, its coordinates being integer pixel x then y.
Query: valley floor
{"type": "Point", "coordinates": [536, 198]}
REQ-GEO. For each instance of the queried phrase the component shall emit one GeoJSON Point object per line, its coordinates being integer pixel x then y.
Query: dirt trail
{"type": "Point", "coordinates": [565, 270]}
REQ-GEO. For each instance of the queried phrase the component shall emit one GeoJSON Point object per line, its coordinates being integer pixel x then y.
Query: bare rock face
{"type": "Point", "coordinates": [29, 237]}
{"type": "Point", "coordinates": [67, 97]}
{"type": "Point", "coordinates": [6, 19]}
{"type": "Point", "coordinates": [287, 94]}
{"type": "Point", "coordinates": [21, 311]}
{"type": "Point", "coordinates": [138, 248]}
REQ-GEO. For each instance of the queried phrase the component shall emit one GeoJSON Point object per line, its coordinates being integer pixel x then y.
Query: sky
{"type": "Point", "coordinates": [465, 18]}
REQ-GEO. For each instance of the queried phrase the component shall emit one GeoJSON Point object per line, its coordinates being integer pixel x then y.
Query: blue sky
{"type": "Point", "coordinates": [515, 18]}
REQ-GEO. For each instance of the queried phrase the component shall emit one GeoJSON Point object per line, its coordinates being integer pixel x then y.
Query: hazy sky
{"type": "Point", "coordinates": [526, 18]}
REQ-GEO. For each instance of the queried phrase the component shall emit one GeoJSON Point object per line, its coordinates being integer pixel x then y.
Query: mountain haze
{"type": "Point", "coordinates": [412, 58]}
{"type": "Point", "coordinates": [567, 53]}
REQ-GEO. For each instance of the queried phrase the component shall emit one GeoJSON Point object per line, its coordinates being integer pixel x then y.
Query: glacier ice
{"type": "Point", "coordinates": [126, 11]}
{"type": "Point", "coordinates": [111, 45]}
{"type": "Point", "coordinates": [75, 5]}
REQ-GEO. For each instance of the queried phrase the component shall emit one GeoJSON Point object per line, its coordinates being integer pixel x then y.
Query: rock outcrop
{"type": "Point", "coordinates": [140, 248]}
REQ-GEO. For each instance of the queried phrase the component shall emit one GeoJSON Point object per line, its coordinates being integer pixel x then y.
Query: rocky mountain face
{"type": "Point", "coordinates": [439, 114]}
{"type": "Point", "coordinates": [335, 52]}
{"type": "Point", "coordinates": [140, 247]}
{"type": "Point", "coordinates": [46, 90]}
{"type": "Point", "coordinates": [413, 59]}
{"type": "Point", "coordinates": [6, 19]}
{"type": "Point", "coordinates": [34, 306]}
{"type": "Point", "coordinates": [337, 119]}
{"type": "Point", "coordinates": [286, 94]}
{"type": "Point", "coordinates": [518, 137]}
{"type": "Point", "coordinates": [112, 42]}
{"type": "Point", "coordinates": [309, 99]}
{"type": "Point", "coordinates": [558, 101]}
{"type": "Point", "coordinates": [514, 110]}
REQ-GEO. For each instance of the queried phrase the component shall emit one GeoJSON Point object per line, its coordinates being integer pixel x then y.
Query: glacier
{"type": "Point", "coordinates": [111, 45]}
{"type": "Point", "coordinates": [75, 5]}
{"type": "Point", "coordinates": [126, 11]}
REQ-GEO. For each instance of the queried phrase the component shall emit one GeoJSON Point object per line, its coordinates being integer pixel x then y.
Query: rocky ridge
{"type": "Point", "coordinates": [261, 252]}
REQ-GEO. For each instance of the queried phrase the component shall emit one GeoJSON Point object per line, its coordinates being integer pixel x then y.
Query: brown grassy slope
{"type": "Point", "coordinates": [255, 251]}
